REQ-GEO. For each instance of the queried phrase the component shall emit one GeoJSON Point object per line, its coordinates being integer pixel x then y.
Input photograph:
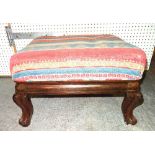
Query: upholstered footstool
{"type": "Point", "coordinates": [78, 65]}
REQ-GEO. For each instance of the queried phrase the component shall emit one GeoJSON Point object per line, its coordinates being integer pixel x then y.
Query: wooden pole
{"type": "Point", "coordinates": [14, 49]}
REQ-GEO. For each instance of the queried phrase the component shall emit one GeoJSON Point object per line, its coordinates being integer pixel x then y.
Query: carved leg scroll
{"type": "Point", "coordinates": [24, 102]}
{"type": "Point", "coordinates": [130, 102]}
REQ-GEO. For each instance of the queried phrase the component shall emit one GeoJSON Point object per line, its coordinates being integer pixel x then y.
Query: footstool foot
{"type": "Point", "coordinates": [24, 102]}
{"type": "Point", "coordinates": [130, 102]}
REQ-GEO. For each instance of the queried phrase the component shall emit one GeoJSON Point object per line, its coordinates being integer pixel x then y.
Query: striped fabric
{"type": "Point", "coordinates": [79, 57]}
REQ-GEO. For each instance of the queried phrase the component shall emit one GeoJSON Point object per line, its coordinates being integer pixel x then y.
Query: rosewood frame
{"type": "Point", "coordinates": [129, 89]}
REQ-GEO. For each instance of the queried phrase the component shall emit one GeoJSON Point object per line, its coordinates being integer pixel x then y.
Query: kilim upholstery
{"type": "Point", "coordinates": [78, 57]}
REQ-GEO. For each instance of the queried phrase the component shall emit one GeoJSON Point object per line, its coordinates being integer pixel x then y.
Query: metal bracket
{"type": "Point", "coordinates": [9, 35]}
{"type": "Point", "coordinates": [30, 35]}
{"type": "Point", "coordinates": [12, 36]}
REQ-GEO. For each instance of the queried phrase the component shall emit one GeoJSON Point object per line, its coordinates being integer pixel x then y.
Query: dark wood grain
{"type": "Point", "coordinates": [24, 102]}
{"type": "Point", "coordinates": [130, 102]}
{"type": "Point", "coordinates": [129, 89]}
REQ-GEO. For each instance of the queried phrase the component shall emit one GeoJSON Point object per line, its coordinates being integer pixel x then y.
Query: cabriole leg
{"type": "Point", "coordinates": [130, 102]}
{"type": "Point", "coordinates": [24, 102]}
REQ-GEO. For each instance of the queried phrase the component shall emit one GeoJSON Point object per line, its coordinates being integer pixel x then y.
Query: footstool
{"type": "Point", "coordinates": [78, 65]}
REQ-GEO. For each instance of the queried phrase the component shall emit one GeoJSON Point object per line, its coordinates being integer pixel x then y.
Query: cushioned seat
{"type": "Point", "coordinates": [79, 57]}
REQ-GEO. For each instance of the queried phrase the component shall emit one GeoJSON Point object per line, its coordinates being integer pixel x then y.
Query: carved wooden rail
{"type": "Point", "coordinates": [129, 89]}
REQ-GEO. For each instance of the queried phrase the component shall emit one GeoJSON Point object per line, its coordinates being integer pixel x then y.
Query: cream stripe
{"type": "Point", "coordinates": [76, 63]}
{"type": "Point", "coordinates": [96, 42]}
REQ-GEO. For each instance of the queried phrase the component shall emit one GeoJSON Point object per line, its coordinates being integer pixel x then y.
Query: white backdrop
{"type": "Point", "coordinates": [139, 34]}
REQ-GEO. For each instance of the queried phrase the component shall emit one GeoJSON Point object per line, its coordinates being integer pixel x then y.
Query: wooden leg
{"type": "Point", "coordinates": [130, 102]}
{"type": "Point", "coordinates": [24, 102]}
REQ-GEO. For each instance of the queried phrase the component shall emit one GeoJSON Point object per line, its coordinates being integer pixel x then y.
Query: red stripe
{"type": "Point", "coordinates": [77, 36]}
{"type": "Point", "coordinates": [117, 54]}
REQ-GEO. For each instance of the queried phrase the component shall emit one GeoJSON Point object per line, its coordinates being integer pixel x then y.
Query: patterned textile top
{"type": "Point", "coordinates": [73, 42]}
{"type": "Point", "coordinates": [78, 57]}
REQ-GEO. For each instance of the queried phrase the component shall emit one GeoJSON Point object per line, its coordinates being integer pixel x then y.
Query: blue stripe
{"type": "Point", "coordinates": [78, 45]}
{"type": "Point", "coordinates": [76, 70]}
{"type": "Point", "coordinates": [53, 41]}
